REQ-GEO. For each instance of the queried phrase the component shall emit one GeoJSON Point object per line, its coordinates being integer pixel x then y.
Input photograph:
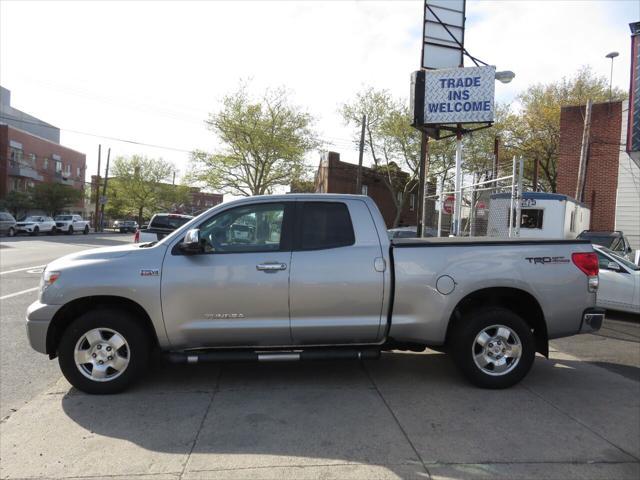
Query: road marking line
{"type": "Point", "coordinates": [21, 269]}
{"type": "Point", "coordinates": [19, 293]}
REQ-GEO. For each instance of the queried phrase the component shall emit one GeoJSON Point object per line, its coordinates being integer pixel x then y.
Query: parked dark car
{"type": "Point", "coordinates": [614, 241]}
{"type": "Point", "coordinates": [7, 224]}
{"type": "Point", "coordinates": [161, 225]}
{"type": "Point", "coordinates": [126, 226]}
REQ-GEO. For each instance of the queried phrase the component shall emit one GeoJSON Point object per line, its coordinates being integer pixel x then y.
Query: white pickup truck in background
{"type": "Point", "coordinates": [70, 224]}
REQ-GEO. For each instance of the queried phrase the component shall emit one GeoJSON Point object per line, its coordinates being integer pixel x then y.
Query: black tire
{"type": "Point", "coordinates": [36, 231]}
{"type": "Point", "coordinates": [121, 321]}
{"type": "Point", "coordinates": [464, 346]}
{"type": "Point", "coordinates": [11, 232]}
{"type": "Point", "coordinates": [52, 231]}
{"type": "Point", "coordinates": [70, 231]}
{"type": "Point", "coordinates": [86, 230]}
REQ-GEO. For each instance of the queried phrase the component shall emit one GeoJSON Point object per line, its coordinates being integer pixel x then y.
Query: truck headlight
{"type": "Point", "coordinates": [49, 278]}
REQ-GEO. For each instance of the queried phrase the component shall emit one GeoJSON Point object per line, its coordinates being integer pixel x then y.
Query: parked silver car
{"type": "Point", "coordinates": [7, 224]}
{"type": "Point", "coordinates": [301, 277]}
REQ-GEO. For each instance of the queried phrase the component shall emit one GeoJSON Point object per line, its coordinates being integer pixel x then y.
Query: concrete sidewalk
{"type": "Point", "coordinates": [404, 416]}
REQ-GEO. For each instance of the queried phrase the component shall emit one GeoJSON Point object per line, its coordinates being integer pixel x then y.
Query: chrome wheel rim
{"type": "Point", "coordinates": [497, 350]}
{"type": "Point", "coordinates": [102, 354]}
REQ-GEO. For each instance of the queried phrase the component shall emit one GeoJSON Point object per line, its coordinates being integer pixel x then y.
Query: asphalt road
{"type": "Point", "coordinates": [24, 372]}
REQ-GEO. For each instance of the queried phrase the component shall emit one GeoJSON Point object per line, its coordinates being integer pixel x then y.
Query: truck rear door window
{"type": "Point", "coordinates": [324, 225]}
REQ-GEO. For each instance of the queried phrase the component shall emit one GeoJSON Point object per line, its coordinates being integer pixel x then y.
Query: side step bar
{"type": "Point", "coordinates": [272, 356]}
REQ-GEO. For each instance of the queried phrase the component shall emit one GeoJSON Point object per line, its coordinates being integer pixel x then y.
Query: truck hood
{"type": "Point", "coordinates": [96, 254]}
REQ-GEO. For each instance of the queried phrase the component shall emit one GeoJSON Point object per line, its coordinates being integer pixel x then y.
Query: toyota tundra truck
{"type": "Point", "coordinates": [307, 277]}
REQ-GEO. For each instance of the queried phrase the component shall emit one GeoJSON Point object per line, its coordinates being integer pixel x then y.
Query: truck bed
{"type": "Point", "coordinates": [478, 241]}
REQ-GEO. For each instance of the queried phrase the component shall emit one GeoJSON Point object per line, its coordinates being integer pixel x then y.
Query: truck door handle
{"type": "Point", "coordinates": [271, 267]}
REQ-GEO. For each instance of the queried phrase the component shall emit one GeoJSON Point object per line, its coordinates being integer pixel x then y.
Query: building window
{"type": "Point", "coordinates": [58, 166]}
{"type": "Point", "coordinates": [45, 163]}
{"type": "Point", "coordinates": [15, 154]}
{"type": "Point", "coordinates": [77, 171]}
{"type": "Point", "coordinates": [33, 159]}
{"type": "Point", "coordinates": [412, 202]}
{"type": "Point", "coordinates": [529, 218]}
{"type": "Point", "coordinates": [399, 197]}
{"type": "Point", "coordinates": [365, 190]}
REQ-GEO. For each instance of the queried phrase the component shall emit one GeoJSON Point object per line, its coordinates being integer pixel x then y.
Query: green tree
{"type": "Point", "coordinates": [534, 132]}
{"type": "Point", "coordinates": [140, 186]}
{"type": "Point", "coordinates": [391, 143]}
{"type": "Point", "coordinates": [53, 198]}
{"type": "Point", "coordinates": [301, 185]}
{"type": "Point", "coordinates": [16, 203]}
{"type": "Point", "coordinates": [264, 144]}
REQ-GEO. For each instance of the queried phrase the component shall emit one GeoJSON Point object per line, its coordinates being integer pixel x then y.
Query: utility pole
{"type": "Point", "coordinates": [104, 189]}
{"type": "Point", "coordinates": [422, 172]}
{"type": "Point", "coordinates": [95, 215]}
{"type": "Point", "coordinates": [359, 175]}
{"type": "Point", "coordinates": [536, 166]}
{"type": "Point", "coordinates": [173, 182]}
{"type": "Point", "coordinates": [584, 149]}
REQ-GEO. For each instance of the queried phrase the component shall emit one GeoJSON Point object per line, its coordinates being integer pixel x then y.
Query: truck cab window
{"type": "Point", "coordinates": [254, 228]}
{"type": "Point", "coordinates": [325, 225]}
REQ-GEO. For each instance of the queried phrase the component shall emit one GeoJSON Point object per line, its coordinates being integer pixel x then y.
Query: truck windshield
{"type": "Point", "coordinates": [622, 260]}
{"type": "Point", "coordinates": [63, 217]}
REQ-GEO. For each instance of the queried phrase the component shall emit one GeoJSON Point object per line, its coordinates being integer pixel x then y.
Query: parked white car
{"type": "Point", "coordinates": [36, 224]}
{"type": "Point", "coordinates": [71, 223]}
{"type": "Point", "coordinates": [619, 282]}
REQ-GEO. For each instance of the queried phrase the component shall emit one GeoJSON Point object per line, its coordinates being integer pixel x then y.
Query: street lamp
{"type": "Point", "coordinates": [505, 77]}
{"type": "Point", "coordinates": [611, 55]}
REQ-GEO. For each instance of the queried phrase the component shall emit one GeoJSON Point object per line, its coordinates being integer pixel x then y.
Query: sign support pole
{"type": "Point", "coordinates": [422, 170]}
{"type": "Point", "coordinates": [513, 196]}
{"type": "Point", "coordinates": [458, 184]}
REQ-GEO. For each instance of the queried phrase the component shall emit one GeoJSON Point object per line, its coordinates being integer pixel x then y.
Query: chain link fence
{"type": "Point", "coordinates": [482, 208]}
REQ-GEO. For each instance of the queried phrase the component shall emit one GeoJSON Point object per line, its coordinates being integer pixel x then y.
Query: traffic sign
{"type": "Point", "coordinates": [447, 205]}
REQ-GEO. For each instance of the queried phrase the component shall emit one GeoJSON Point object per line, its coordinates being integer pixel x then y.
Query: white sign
{"type": "Point", "coordinates": [459, 95]}
{"type": "Point", "coordinates": [443, 33]}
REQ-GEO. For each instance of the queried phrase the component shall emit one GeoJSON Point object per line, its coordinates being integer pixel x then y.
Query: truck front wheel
{"type": "Point", "coordinates": [493, 347]}
{"type": "Point", "coordinates": [103, 351]}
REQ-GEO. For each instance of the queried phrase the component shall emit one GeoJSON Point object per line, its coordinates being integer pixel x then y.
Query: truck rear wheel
{"type": "Point", "coordinates": [103, 351]}
{"type": "Point", "coordinates": [493, 347]}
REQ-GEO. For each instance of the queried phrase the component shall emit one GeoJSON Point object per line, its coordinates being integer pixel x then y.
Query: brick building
{"type": "Point", "coordinates": [334, 176]}
{"type": "Point", "coordinates": [26, 159]}
{"type": "Point", "coordinates": [200, 201]}
{"type": "Point", "coordinates": [612, 180]}
{"type": "Point", "coordinates": [30, 153]}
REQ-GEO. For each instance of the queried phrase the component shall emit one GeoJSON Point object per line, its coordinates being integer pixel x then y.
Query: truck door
{"type": "Point", "coordinates": [235, 293]}
{"type": "Point", "coordinates": [337, 274]}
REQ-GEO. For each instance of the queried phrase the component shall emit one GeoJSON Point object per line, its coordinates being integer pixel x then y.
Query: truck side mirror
{"type": "Point", "coordinates": [191, 243]}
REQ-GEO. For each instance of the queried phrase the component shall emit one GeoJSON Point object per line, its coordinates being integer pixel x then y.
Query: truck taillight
{"type": "Point", "coordinates": [136, 237]}
{"type": "Point", "coordinates": [587, 262]}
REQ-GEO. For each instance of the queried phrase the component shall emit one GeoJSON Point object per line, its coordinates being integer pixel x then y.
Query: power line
{"type": "Point", "coordinates": [116, 139]}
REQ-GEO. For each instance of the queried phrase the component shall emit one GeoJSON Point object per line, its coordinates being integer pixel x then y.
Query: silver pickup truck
{"type": "Point", "coordinates": [306, 277]}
